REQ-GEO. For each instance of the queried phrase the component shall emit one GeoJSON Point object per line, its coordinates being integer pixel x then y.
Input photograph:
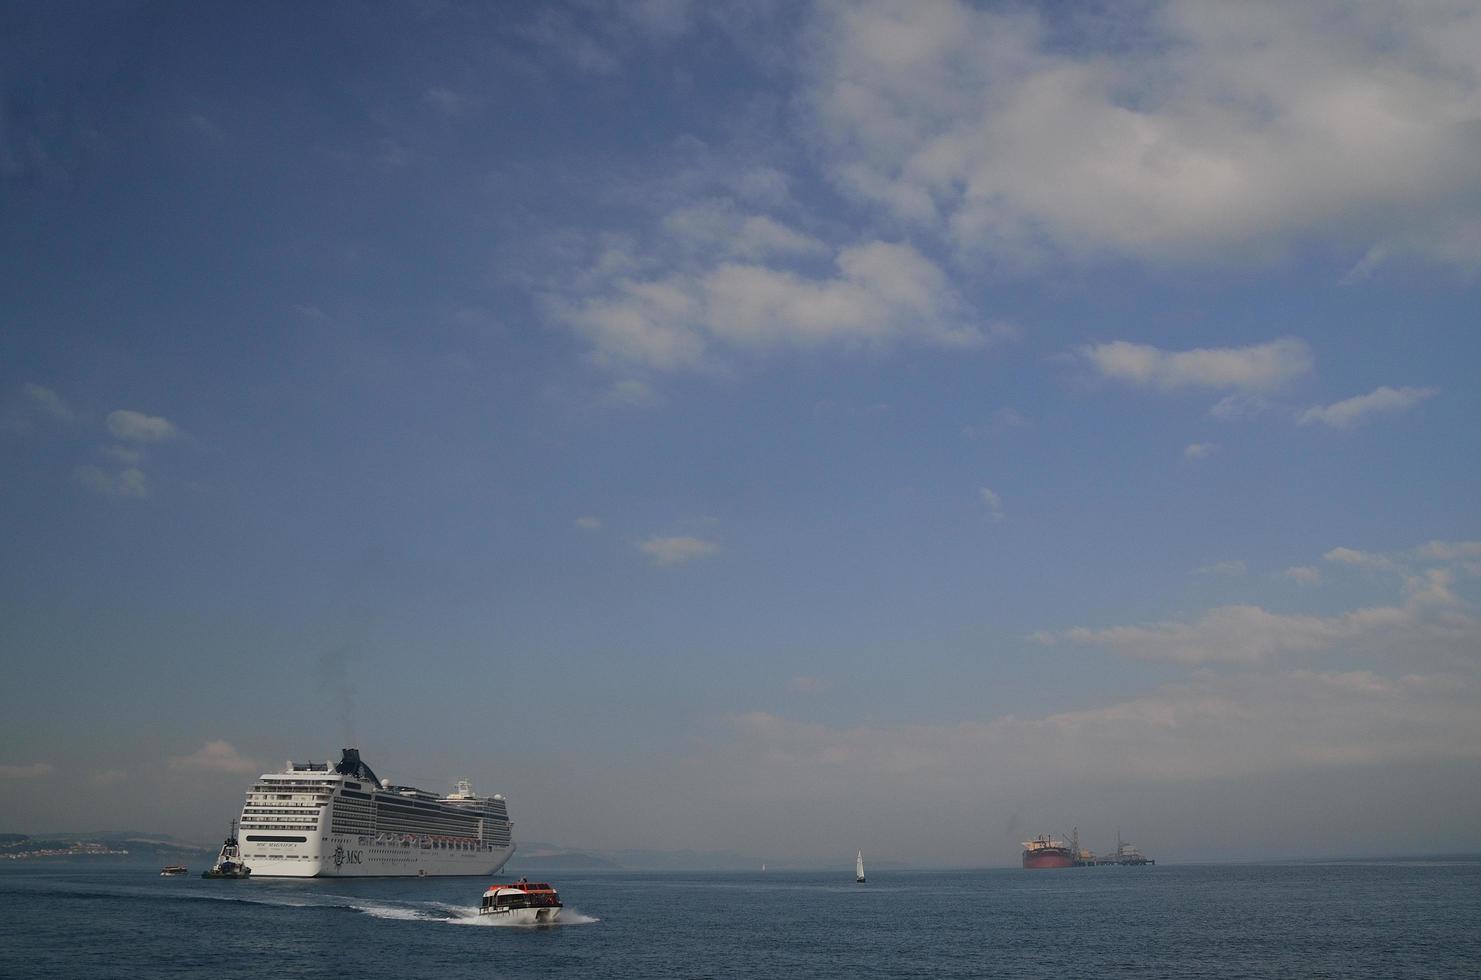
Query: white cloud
{"type": "Point", "coordinates": [649, 323]}
{"type": "Point", "coordinates": [1450, 550]}
{"type": "Point", "coordinates": [1244, 634]}
{"type": "Point", "coordinates": [1199, 450]}
{"type": "Point", "coordinates": [33, 771]}
{"type": "Point", "coordinates": [127, 482]}
{"type": "Point", "coordinates": [1364, 268]}
{"type": "Point", "coordinates": [882, 294]}
{"type": "Point", "coordinates": [718, 228]}
{"type": "Point", "coordinates": [589, 523]}
{"type": "Point", "coordinates": [806, 685]}
{"type": "Point", "coordinates": [993, 502]}
{"type": "Point", "coordinates": [1228, 129]}
{"type": "Point", "coordinates": [1239, 406]}
{"type": "Point", "coordinates": [1351, 411]}
{"type": "Point", "coordinates": [760, 236]}
{"type": "Point", "coordinates": [138, 427]}
{"type": "Point", "coordinates": [1303, 574]}
{"type": "Point", "coordinates": [677, 550]}
{"type": "Point", "coordinates": [215, 756]}
{"type": "Point", "coordinates": [1256, 367]}
{"type": "Point", "coordinates": [1210, 725]}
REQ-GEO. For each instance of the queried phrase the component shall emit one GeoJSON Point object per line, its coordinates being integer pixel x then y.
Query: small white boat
{"type": "Point", "coordinates": [173, 871]}
{"type": "Point", "coordinates": [525, 903]}
{"type": "Point", "coordinates": [859, 868]}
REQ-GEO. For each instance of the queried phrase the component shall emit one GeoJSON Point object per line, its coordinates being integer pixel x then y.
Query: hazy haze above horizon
{"type": "Point", "coordinates": [770, 427]}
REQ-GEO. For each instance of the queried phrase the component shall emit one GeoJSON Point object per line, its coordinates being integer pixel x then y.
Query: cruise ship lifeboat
{"type": "Point", "coordinates": [522, 903]}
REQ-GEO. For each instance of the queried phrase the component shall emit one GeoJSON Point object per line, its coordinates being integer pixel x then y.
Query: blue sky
{"type": "Point", "coordinates": [777, 427]}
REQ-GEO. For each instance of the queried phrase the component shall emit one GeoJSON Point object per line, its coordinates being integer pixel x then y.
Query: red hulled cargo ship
{"type": "Point", "coordinates": [1045, 852]}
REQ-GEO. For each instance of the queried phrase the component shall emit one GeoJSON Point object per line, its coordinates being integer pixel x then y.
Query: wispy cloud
{"type": "Point", "coordinates": [589, 523]}
{"type": "Point", "coordinates": [127, 482]}
{"type": "Point", "coordinates": [631, 393]}
{"type": "Point", "coordinates": [1303, 574]}
{"type": "Point", "coordinates": [48, 403]}
{"type": "Point", "coordinates": [138, 427]}
{"type": "Point", "coordinates": [446, 102]}
{"type": "Point", "coordinates": [1246, 634]}
{"type": "Point", "coordinates": [1210, 725]}
{"type": "Point", "coordinates": [993, 502]}
{"type": "Point", "coordinates": [216, 756]}
{"type": "Point", "coordinates": [37, 403]}
{"type": "Point", "coordinates": [1257, 367]}
{"type": "Point", "coordinates": [34, 770]}
{"type": "Point", "coordinates": [1231, 568]}
{"type": "Point", "coordinates": [1349, 412]}
{"type": "Point", "coordinates": [1199, 450]}
{"type": "Point", "coordinates": [1450, 550]}
{"type": "Point", "coordinates": [677, 550]}
{"type": "Point", "coordinates": [1362, 559]}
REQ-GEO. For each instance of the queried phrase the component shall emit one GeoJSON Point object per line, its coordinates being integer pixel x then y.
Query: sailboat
{"type": "Point", "coordinates": [859, 868]}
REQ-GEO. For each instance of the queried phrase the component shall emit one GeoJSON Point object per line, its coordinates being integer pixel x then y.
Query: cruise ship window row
{"type": "Point", "coordinates": [447, 818]}
{"type": "Point", "coordinates": [286, 795]}
{"type": "Point", "coordinates": [311, 783]}
{"type": "Point", "coordinates": [280, 827]}
{"type": "Point", "coordinates": [422, 830]}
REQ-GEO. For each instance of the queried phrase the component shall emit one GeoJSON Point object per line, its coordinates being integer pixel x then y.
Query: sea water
{"type": "Point", "coordinates": [1354, 919]}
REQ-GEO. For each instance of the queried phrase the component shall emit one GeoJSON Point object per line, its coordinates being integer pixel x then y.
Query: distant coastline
{"type": "Point", "coordinates": [35, 847]}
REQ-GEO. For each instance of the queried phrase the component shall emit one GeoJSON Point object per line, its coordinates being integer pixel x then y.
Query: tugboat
{"type": "Point", "coordinates": [229, 861]}
{"type": "Point", "coordinates": [173, 871]}
{"type": "Point", "coordinates": [525, 902]}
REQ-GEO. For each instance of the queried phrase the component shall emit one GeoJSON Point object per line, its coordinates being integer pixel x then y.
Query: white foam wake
{"type": "Point", "coordinates": [569, 917]}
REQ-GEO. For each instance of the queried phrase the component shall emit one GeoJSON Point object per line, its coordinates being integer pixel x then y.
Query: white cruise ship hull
{"type": "Point", "coordinates": [317, 820]}
{"type": "Point", "coordinates": [346, 857]}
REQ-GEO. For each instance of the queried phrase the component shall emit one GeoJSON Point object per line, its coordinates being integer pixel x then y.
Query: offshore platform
{"type": "Point", "coordinates": [1126, 854]}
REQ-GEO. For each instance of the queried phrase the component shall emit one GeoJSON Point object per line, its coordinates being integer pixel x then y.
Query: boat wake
{"type": "Point", "coordinates": [458, 915]}
{"type": "Point", "coordinates": [569, 917]}
{"type": "Point", "coordinates": [404, 911]}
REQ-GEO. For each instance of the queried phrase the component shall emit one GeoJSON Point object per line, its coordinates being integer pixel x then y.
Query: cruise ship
{"type": "Point", "coordinates": [337, 820]}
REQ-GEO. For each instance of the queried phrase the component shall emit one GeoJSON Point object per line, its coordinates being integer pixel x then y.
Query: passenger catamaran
{"type": "Point", "coordinates": [317, 819]}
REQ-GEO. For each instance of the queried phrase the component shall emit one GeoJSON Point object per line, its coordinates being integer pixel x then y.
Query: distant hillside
{"type": "Point", "coordinates": [113, 843]}
{"type": "Point", "coordinates": [542, 857]}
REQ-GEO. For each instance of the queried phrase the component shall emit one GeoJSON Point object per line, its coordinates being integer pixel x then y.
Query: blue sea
{"type": "Point", "coordinates": [1357, 919]}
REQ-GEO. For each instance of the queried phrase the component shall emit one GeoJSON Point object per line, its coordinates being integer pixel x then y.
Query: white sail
{"type": "Point", "coordinates": [859, 867]}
